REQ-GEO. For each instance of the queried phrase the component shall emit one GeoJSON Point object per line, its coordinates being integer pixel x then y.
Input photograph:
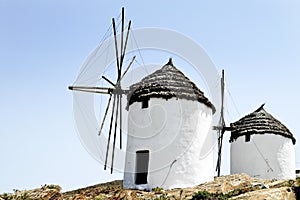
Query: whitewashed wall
{"type": "Point", "coordinates": [267, 156]}
{"type": "Point", "coordinates": [174, 132]}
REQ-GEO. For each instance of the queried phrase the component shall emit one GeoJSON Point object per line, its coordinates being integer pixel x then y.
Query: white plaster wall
{"type": "Point", "coordinates": [174, 132]}
{"type": "Point", "coordinates": [267, 156]}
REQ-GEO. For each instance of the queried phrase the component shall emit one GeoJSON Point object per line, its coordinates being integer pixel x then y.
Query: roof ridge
{"type": "Point", "coordinates": [260, 108]}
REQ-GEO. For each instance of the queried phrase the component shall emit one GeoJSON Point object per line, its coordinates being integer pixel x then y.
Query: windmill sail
{"type": "Point", "coordinates": [115, 93]}
{"type": "Point", "coordinates": [221, 127]}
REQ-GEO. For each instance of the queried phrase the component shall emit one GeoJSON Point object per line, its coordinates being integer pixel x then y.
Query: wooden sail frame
{"type": "Point", "coordinates": [221, 128]}
{"type": "Point", "coordinates": [115, 92]}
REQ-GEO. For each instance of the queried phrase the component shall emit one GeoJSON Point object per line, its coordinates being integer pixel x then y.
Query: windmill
{"type": "Point", "coordinates": [221, 128]}
{"type": "Point", "coordinates": [115, 92]}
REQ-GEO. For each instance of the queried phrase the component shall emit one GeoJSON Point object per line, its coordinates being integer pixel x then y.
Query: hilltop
{"type": "Point", "coordinates": [239, 186]}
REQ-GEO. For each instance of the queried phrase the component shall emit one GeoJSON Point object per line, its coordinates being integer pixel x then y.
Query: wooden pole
{"type": "Point", "coordinates": [122, 31]}
{"type": "Point", "coordinates": [116, 44]}
{"type": "Point", "coordinates": [126, 40]}
{"type": "Point", "coordinates": [105, 114]}
{"type": "Point", "coordinates": [121, 121]}
{"type": "Point", "coordinates": [109, 133]}
{"type": "Point", "coordinates": [115, 135]}
{"type": "Point", "coordinates": [221, 125]}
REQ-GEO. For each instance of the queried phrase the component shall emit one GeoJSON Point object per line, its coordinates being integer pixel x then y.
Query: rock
{"type": "Point", "coordinates": [226, 184]}
{"type": "Point", "coordinates": [237, 186]}
{"type": "Point", "coordinates": [284, 193]}
{"type": "Point", "coordinates": [79, 197]}
{"type": "Point", "coordinates": [46, 192]}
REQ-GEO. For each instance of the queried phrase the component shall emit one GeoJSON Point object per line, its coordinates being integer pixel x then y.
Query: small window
{"type": "Point", "coordinates": [145, 103]}
{"type": "Point", "coordinates": [247, 138]}
{"type": "Point", "coordinates": [142, 163]}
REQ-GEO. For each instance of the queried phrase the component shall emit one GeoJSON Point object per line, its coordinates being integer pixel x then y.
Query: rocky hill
{"type": "Point", "coordinates": [239, 186]}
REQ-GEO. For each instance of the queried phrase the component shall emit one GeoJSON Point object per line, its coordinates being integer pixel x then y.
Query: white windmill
{"type": "Point", "coordinates": [169, 122]}
{"type": "Point", "coordinates": [262, 147]}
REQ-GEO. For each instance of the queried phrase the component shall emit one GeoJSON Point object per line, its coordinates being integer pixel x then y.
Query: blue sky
{"type": "Point", "coordinates": [43, 44]}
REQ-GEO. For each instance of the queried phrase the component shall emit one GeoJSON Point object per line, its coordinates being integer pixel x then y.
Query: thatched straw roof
{"type": "Point", "coordinates": [259, 122]}
{"type": "Point", "coordinates": [166, 83]}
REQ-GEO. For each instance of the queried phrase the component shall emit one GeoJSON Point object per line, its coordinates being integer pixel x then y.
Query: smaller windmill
{"type": "Point", "coordinates": [260, 137]}
{"type": "Point", "coordinates": [115, 92]}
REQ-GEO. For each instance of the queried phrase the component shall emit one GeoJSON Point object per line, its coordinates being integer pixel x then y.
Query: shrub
{"type": "Point", "coordinates": [158, 190]}
{"type": "Point", "coordinates": [205, 195]}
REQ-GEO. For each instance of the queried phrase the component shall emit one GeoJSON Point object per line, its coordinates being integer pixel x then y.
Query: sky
{"type": "Point", "coordinates": [44, 43]}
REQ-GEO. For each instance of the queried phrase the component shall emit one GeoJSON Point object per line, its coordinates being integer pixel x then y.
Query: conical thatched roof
{"type": "Point", "coordinates": [259, 122]}
{"type": "Point", "coordinates": [166, 83]}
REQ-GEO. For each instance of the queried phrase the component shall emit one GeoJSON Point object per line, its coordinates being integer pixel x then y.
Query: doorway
{"type": "Point", "coordinates": [141, 169]}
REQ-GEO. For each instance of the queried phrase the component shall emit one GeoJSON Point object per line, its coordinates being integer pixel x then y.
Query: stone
{"type": "Point", "coordinates": [284, 193]}
{"type": "Point", "coordinates": [236, 186]}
